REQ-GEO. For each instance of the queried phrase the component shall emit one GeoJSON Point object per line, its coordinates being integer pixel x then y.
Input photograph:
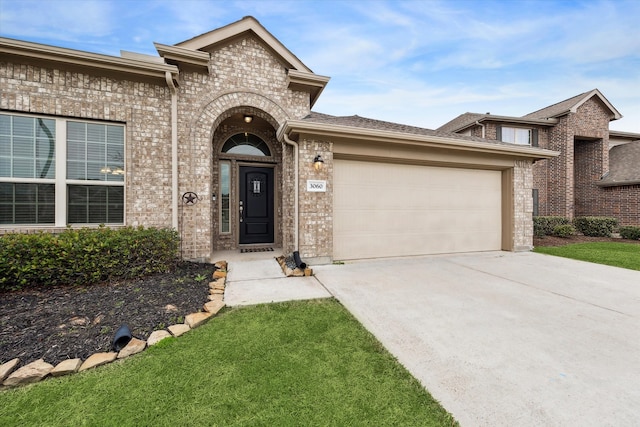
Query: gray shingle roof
{"type": "Point", "coordinates": [624, 169]}
{"type": "Point", "coordinates": [461, 121]}
{"type": "Point", "coordinates": [366, 123]}
{"type": "Point", "coordinates": [558, 108]}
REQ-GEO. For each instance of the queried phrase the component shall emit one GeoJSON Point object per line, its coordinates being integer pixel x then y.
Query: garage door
{"type": "Point", "coordinates": [385, 210]}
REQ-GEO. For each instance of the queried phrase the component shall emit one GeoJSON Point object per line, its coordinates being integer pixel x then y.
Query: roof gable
{"type": "Point", "coordinates": [571, 106]}
{"type": "Point", "coordinates": [241, 28]}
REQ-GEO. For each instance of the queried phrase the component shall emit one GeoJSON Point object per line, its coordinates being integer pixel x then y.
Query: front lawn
{"type": "Point", "coordinates": [288, 364]}
{"type": "Point", "coordinates": [625, 255]}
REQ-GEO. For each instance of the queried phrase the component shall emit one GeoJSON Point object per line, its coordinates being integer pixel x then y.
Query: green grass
{"type": "Point", "coordinates": [625, 255]}
{"type": "Point", "coordinates": [288, 364]}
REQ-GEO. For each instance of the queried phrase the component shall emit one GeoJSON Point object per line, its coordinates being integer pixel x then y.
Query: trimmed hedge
{"type": "Point", "coordinates": [630, 232]}
{"type": "Point", "coordinates": [544, 225]}
{"type": "Point", "coordinates": [595, 226]}
{"type": "Point", "coordinates": [565, 230]}
{"type": "Point", "coordinates": [85, 256]}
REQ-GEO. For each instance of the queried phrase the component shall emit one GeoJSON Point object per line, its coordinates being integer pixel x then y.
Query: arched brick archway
{"type": "Point", "coordinates": [200, 162]}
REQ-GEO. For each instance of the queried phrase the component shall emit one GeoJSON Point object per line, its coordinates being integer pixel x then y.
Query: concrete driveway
{"type": "Point", "coordinates": [506, 339]}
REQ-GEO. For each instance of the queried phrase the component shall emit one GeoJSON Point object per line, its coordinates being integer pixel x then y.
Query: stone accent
{"type": "Point", "coordinates": [8, 367]}
{"type": "Point", "coordinates": [216, 297]}
{"type": "Point", "coordinates": [157, 336]}
{"type": "Point", "coordinates": [31, 373]}
{"type": "Point", "coordinates": [177, 330]}
{"type": "Point", "coordinates": [66, 367]}
{"type": "Point", "coordinates": [522, 206]}
{"type": "Point", "coordinates": [133, 347]}
{"type": "Point", "coordinates": [213, 307]}
{"type": "Point", "coordinates": [98, 359]}
{"type": "Point", "coordinates": [196, 319]}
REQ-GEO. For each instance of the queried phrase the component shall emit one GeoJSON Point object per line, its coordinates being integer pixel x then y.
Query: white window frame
{"type": "Point", "coordinates": [61, 182]}
{"type": "Point", "coordinates": [515, 135]}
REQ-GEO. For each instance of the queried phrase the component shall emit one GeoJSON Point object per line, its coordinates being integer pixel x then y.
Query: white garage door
{"type": "Point", "coordinates": [385, 210]}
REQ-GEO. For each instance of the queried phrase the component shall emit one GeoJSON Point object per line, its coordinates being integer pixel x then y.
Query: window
{"type": "Point", "coordinates": [224, 197]}
{"type": "Point", "coordinates": [519, 136]}
{"type": "Point", "coordinates": [55, 171]}
{"type": "Point", "coordinates": [246, 144]}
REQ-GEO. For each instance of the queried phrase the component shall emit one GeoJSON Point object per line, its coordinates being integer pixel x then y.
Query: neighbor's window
{"type": "Point", "coordinates": [224, 197]}
{"type": "Point", "coordinates": [516, 135]}
{"type": "Point", "coordinates": [246, 144]}
{"type": "Point", "coordinates": [33, 178]}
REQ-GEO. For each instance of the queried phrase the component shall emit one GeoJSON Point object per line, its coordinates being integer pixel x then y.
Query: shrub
{"type": "Point", "coordinates": [564, 230]}
{"type": "Point", "coordinates": [630, 232]}
{"type": "Point", "coordinates": [544, 225]}
{"type": "Point", "coordinates": [595, 226]}
{"type": "Point", "coordinates": [85, 256]}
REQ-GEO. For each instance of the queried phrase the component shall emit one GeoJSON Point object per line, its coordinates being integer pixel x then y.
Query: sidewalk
{"type": "Point", "coordinates": [256, 278]}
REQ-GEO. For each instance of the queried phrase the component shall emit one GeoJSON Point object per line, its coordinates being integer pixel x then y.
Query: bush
{"type": "Point", "coordinates": [630, 232]}
{"type": "Point", "coordinates": [565, 230]}
{"type": "Point", "coordinates": [595, 226]}
{"type": "Point", "coordinates": [544, 225]}
{"type": "Point", "coordinates": [85, 256]}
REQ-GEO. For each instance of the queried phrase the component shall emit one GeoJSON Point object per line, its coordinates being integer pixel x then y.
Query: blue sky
{"type": "Point", "coordinates": [418, 62]}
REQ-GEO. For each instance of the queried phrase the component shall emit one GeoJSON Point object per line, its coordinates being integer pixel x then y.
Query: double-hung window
{"type": "Point", "coordinates": [56, 171]}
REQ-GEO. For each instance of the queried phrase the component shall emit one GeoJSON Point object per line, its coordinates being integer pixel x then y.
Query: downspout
{"type": "Point", "coordinates": [297, 190]}
{"type": "Point", "coordinates": [174, 149]}
{"type": "Point", "coordinates": [483, 128]}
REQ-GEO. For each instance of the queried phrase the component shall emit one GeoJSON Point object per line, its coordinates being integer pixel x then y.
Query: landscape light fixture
{"type": "Point", "coordinates": [248, 119]}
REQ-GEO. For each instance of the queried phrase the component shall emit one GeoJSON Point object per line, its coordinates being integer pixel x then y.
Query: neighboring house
{"type": "Point", "coordinates": [597, 171]}
{"type": "Point", "coordinates": [216, 138]}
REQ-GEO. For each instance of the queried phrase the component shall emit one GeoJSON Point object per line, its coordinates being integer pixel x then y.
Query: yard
{"type": "Point", "coordinates": [302, 363]}
{"type": "Point", "coordinates": [619, 253]}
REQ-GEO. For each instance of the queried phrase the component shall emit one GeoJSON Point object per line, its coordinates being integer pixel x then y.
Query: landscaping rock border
{"type": "Point", "coordinates": [12, 375]}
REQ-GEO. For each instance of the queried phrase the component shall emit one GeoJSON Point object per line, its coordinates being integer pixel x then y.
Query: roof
{"type": "Point", "coordinates": [623, 165]}
{"type": "Point", "coordinates": [571, 106]}
{"type": "Point", "coordinates": [370, 130]}
{"type": "Point", "coordinates": [465, 120]}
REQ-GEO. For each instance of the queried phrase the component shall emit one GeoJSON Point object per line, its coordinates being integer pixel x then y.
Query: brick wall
{"type": "Point", "coordinates": [144, 106]}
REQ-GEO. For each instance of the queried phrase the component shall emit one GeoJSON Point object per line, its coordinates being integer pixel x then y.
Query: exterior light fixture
{"type": "Point", "coordinates": [318, 163]}
{"type": "Point", "coordinates": [248, 119]}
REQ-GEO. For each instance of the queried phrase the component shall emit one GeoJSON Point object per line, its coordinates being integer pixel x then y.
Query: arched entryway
{"type": "Point", "coordinates": [247, 171]}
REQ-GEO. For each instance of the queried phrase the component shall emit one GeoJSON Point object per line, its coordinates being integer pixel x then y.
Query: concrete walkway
{"type": "Point", "coordinates": [256, 278]}
{"type": "Point", "coordinates": [499, 338]}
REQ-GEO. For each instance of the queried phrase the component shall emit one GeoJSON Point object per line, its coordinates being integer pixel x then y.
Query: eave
{"type": "Point", "coordinates": [509, 120]}
{"type": "Point", "coordinates": [180, 55]}
{"type": "Point", "coordinates": [307, 82]}
{"type": "Point", "coordinates": [293, 128]}
{"type": "Point", "coordinates": [40, 52]}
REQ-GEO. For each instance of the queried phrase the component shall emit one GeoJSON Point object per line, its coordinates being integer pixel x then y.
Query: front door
{"type": "Point", "coordinates": [256, 205]}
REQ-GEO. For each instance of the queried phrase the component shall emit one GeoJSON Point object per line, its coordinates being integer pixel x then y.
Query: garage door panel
{"type": "Point", "coordinates": [383, 210]}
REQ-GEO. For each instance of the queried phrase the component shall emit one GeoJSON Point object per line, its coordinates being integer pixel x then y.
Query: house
{"type": "Point", "coordinates": [596, 173]}
{"type": "Point", "coordinates": [216, 138]}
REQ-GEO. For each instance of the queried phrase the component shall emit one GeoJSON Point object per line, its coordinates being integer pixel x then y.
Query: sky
{"type": "Point", "coordinates": [416, 62]}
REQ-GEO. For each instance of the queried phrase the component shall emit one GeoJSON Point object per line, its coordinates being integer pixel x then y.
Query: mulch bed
{"type": "Point", "coordinates": [74, 322]}
{"type": "Point", "coordinates": [562, 241]}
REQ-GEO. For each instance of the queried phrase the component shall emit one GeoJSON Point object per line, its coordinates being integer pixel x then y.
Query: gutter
{"type": "Point", "coordinates": [483, 128]}
{"type": "Point", "coordinates": [174, 149]}
{"type": "Point", "coordinates": [283, 137]}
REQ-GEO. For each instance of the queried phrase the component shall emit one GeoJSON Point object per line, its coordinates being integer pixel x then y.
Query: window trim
{"type": "Point", "coordinates": [60, 181]}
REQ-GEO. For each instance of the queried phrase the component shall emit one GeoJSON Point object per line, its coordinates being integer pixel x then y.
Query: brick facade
{"type": "Point", "coordinates": [243, 76]}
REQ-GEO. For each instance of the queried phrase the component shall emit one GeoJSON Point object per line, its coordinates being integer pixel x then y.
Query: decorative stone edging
{"type": "Point", "coordinates": [12, 376]}
{"type": "Point", "coordinates": [291, 270]}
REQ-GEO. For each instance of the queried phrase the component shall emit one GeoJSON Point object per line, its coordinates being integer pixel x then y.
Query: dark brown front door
{"type": "Point", "coordinates": [256, 205]}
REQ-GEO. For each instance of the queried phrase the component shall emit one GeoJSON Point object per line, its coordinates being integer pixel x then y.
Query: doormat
{"type": "Point", "coordinates": [249, 250]}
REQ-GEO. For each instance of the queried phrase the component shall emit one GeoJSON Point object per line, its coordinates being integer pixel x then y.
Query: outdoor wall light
{"type": "Point", "coordinates": [248, 119]}
{"type": "Point", "coordinates": [318, 163]}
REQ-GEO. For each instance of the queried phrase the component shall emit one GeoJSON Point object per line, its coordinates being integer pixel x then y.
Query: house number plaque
{"type": "Point", "coordinates": [316, 186]}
